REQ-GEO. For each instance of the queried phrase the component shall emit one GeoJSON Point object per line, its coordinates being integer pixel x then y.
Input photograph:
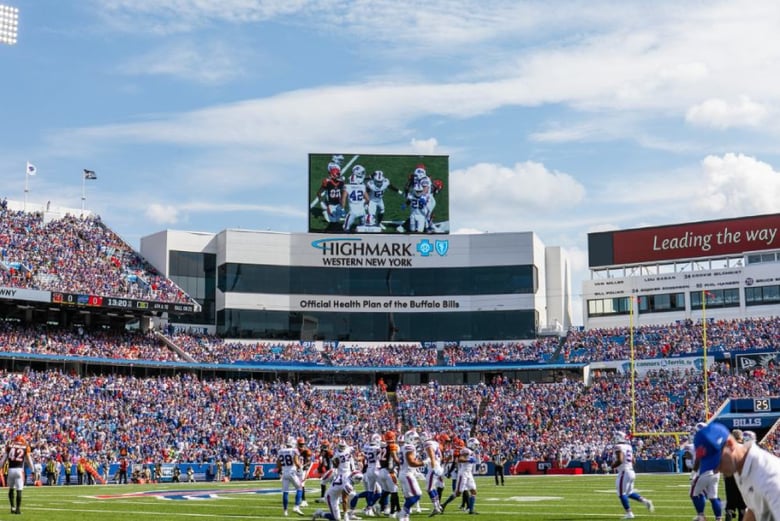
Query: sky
{"type": "Point", "coordinates": [561, 118]}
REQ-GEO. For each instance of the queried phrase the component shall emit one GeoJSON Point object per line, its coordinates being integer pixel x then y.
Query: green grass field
{"type": "Point", "coordinates": [397, 170]}
{"type": "Point", "coordinates": [564, 498]}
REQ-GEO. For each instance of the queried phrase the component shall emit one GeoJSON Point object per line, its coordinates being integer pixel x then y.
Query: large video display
{"type": "Point", "coordinates": [355, 193]}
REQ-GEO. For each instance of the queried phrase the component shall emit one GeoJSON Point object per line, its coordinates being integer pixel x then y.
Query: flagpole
{"type": "Point", "coordinates": [704, 341]}
{"type": "Point", "coordinates": [83, 192]}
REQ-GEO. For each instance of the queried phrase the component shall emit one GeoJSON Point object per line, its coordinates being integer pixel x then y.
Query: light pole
{"type": "Point", "coordinates": [9, 24]}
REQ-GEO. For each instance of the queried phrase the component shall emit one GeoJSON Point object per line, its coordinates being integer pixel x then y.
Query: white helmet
{"type": "Point", "coordinates": [343, 445]}
{"type": "Point", "coordinates": [291, 442]}
{"type": "Point", "coordinates": [411, 437]}
{"type": "Point", "coordinates": [472, 443]}
{"type": "Point", "coordinates": [425, 436]}
{"type": "Point", "coordinates": [378, 176]}
{"type": "Point", "coordinates": [356, 477]}
{"type": "Point", "coordinates": [359, 173]}
{"type": "Point", "coordinates": [376, 439]}
{"type": "Point", "coordinates": [420, 171]}
{"type": "Point", "coordinates": [619, 437]}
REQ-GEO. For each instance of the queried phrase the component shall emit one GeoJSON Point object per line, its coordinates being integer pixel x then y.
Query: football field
{"type": "Point", "coordinates": [564, 498]}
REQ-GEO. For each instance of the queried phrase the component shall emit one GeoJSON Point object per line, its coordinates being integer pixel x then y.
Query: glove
{"type": "Point", "coordinates": [472, 459]}
{"type": "Point", "coordinates": [704, 480]}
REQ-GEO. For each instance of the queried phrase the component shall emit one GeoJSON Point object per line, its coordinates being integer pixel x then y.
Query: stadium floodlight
{"type": "Point", "coordinates": [9, 24]}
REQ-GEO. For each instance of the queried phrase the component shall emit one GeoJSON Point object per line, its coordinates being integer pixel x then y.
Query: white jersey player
{"type": "Point", "coordinates": [289, 464]}
{"type": "Point", "coordinates": [372, 452]}
{"type": "Point", "coordinates": [432, 457]}
{"type": "Point", "coordinates": [354, 198]}
{"type": "Point", "coordinates": [341, 486]}
{"type": "Point", "coordinates": [407, 474]}
{"type": "Point", "coordinates": [624, 483]}
{"type": "Point", "coordinates": [376, 188]}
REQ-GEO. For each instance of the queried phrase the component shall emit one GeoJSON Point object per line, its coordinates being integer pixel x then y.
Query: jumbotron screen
{"type": "Point", "coordinates": [355, 193]}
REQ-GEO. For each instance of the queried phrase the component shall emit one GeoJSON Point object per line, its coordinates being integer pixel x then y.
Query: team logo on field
{"type": "Point", "coordinates": [185, 495]}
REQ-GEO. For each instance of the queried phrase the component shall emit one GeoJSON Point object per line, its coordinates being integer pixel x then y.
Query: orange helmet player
{"type": "Point", "coordinates": [443, 438]}
{"type": "Point", "coordinates": [389, 436]}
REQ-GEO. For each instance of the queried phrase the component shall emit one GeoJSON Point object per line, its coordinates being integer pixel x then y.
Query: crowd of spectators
{"type": "Point", "coordinates": [80, 342]}
{"type": "Point", "coordinates": [540, 350]}
{"type": "Point", "coordinates": [180, 418]}
{"type": "Point", "coordinates": [684, 337]}
{"type": "Point", "coordinates": [76, 255]}
{"type": "Point", "coordinates": [211, 349]}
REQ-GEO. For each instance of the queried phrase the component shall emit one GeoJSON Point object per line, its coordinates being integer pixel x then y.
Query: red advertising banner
{"type": "Point", "coordinates": [700, 239]}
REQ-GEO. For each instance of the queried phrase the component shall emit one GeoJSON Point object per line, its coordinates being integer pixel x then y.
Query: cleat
{"type": "Point", "coordinates": [629, 515]}
{"type": "Point", "coordinates": [298, 511]}
{"type": "Point", "coordinates": [649, 505]}
{"type": "Point", "coordinates": [286, 514]}
{"type": "Point", "coordinates": [417, 509]}
{"type": "Point", "coordinates": [368, 512]}
{"type": "Point", "coordinates": [304, 503]}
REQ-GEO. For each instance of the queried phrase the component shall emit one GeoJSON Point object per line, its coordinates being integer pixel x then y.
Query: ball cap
{"type": "Point", "coordinates": [709, 443]}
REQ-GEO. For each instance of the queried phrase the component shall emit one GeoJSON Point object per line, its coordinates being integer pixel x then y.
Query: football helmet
{"type": "Point", "coordinates": [334, 170]}
{"type": "Point", "coordinates": [378, 176]}
{"type": "Point", "coordinates": [443, 438]}
{"type": "Point", "coordinates": [359, 173]}
{"type": "Point", "coordinates": [301, 441]}
{"type": "Point", "coordinates": [459, 443]}
{"type": "Point", "coordinates": [619, 437]}
{"type": "Point", "coordinates": [473, 443]}
{"type": "Point", "coordinates": [420, 171]}
{"type": "Point", "coordinates": [426, 436]}
{"type": "Point", "coordinates": [343, 445]}
{"type": "Point", "coordinates": [291, 441]}
{"type": "Point", "coordinates": [356, 477]}
{"type": "Point", "coordinates": [376, 439]}
{"type": "Point", "coordinates": [411, 437]}
{"type": "Point", "coordinates": [390, 436]}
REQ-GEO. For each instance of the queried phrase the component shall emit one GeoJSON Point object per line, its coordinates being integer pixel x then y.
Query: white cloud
{"type": "Point", "coordinates": [495, 197]}
{"type": "Point", "coordinates": [424, 146]}
{"type": "Point", "coordinates": [214, 63]}
{"type": "Point", "coordinates": [162, 214]}
{"type": "Point", "coordinates": [721, 114]}
{"type": "Point", "coordinates": [736, 184]}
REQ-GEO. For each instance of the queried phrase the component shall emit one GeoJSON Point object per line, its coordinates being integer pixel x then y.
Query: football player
{"type": "Point", "coordinates": [325, 465]}
{"type": "Point", "coordinates": [306, 464]}
{"type": "Point", "coordinates": [388, 463]}
{"type": "Point", "coordinates": [329, 194]}
{"type": "Point", "coordinates": [376, 188]}
{"type": "Point", "coordinates": [467, 459]}
{"type": "Point", "coordinates": [433, 460]}
{"type": "Point", "coordinates": [354, 198]}
{"type": "Point", "coordinates": [410, 463]}
{"type": "Point", "coordinates": [340, 486]}
{"type": "Point", "coordinates": [17, 455]}
{"type": "Point", "coordinates": [624, 483]}
{"type": "Point", "coordinates": [289, 466]}
{"type": "Point", "coordinates": [704, 486]}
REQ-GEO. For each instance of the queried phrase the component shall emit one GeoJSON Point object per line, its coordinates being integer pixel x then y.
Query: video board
{"type": "Point", "coordinates": [358, 193]}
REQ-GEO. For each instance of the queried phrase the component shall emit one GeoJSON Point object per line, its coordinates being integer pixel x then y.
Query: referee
{"type": "Point", "coordinates": [498, 462]}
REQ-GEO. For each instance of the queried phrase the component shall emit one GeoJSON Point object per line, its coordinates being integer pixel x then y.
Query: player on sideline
{"type": "Point", "coordinates": [17, 455]}
{"type": "Point", "coordinates": [757, 471]}
{"type": "Point", "coordinates": [624, 483]}
{"type": "Point", "coordinates": [289, 464]}
{"type": "Point", "coordinates": [704, 485]}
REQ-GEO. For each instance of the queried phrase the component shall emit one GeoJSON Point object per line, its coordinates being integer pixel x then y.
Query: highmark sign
{"type": "Point", "coordinates": [356, 252]}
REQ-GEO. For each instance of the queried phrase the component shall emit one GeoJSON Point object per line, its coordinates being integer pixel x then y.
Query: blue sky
{"type": "Point", "coordinates": [560, 118]}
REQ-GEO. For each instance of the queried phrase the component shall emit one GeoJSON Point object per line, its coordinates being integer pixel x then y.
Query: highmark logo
{"type": "Point", "coordinates": [425, 247]}
{"type": "Point", "coordinates": [348, 251]}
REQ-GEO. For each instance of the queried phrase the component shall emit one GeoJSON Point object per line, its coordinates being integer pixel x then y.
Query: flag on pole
{"type": "Point", "coordinates": [31, 170]}
{"type": "Point", "coordinates": [89, 174]}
